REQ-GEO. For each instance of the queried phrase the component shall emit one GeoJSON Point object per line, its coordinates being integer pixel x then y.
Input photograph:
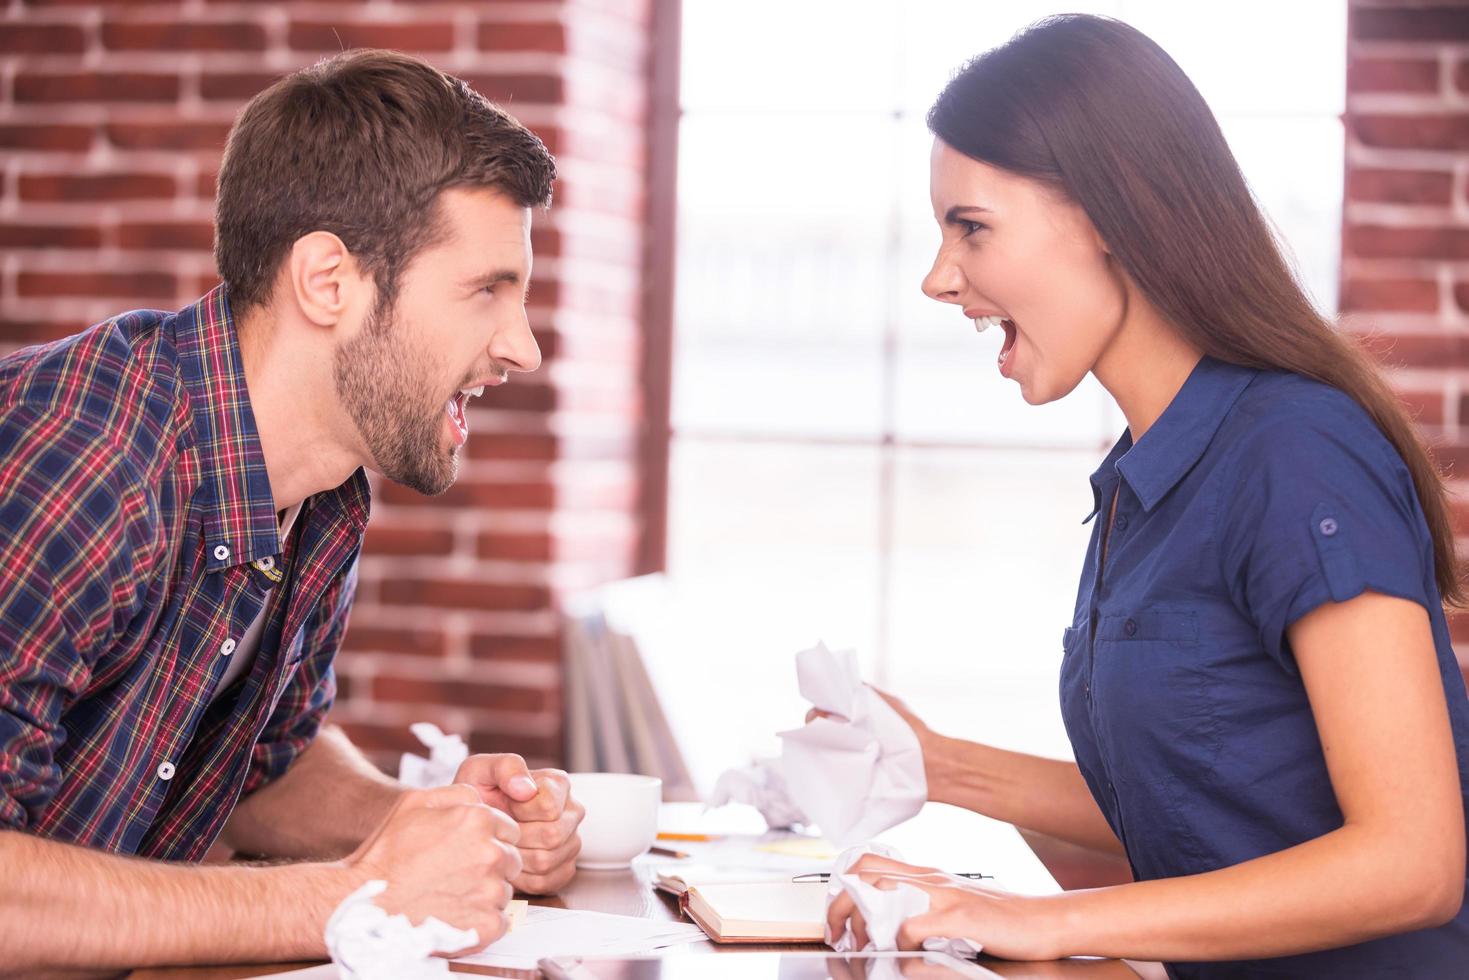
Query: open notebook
{"type": "Point", "coordinates": [759, 912]}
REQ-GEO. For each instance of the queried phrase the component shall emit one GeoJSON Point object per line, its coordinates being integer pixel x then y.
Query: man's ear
{"type": "Point", "coordinates": [323, 277]}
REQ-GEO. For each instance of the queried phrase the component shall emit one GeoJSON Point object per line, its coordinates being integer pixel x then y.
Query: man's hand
{"type": "Point", "coordinates": [541, 803]}
{"type": "Point", "coordinates": [444, 853]}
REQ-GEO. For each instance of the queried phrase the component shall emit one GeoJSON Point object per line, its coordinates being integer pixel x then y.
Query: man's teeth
{"type": "Point", "coordinates": [473, 392]}
{"type": "Point", "coordinates": [983, 323]}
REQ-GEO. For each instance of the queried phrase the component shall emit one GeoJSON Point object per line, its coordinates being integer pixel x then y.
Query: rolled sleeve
{"type": "Point", "coordinates": [1324, 510]}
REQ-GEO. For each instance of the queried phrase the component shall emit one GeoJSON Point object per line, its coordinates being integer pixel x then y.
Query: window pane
{"type": "Point", "coordinates": [783, 272]}
{"type": "Point", "coordinates": [776, 54]}
{"type": "Point", "coordinates": [988, 551]}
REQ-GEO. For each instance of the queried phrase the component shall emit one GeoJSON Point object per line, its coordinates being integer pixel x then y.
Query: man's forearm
{"type": "Point", "coordinates": [323, 807]}
{"type": "Point", "coordinates": [63, 906]}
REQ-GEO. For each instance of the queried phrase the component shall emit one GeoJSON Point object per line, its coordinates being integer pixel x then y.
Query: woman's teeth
{"type": "Point", "coordinates": [983, 323]}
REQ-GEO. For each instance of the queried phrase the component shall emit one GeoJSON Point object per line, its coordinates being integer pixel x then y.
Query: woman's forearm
{"type": "Point", "coordinates": [1350, 886]}
{"type": "Point", "coordinates": [1048, 796]}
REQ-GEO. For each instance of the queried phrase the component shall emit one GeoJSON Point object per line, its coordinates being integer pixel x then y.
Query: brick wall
{"type": "Point", "coordinates": [112, 119]}
{"type": "Point", "coordinates": [1405, 234]}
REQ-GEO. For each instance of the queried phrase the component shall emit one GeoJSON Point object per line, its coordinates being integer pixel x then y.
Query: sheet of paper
{"type": "Point", "coordinates": [571, 932]}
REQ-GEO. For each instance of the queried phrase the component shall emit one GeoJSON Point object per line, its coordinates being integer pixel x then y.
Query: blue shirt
{"type": "Point", "coordinates": [1255, 498]}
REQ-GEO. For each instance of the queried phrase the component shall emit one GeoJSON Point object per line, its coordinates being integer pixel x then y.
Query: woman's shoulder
{"type": "Point", "coordinates": [1281, 413]}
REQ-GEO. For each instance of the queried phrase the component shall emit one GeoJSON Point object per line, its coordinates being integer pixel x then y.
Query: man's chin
{"type": "Point", "coordinates": [428, 479]}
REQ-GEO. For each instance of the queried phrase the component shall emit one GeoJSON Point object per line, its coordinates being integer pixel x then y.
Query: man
{"type": "Point", "coordinates": [182, 502]}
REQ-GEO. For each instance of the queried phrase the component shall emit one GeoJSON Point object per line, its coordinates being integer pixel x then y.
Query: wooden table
{"type": "Point", "coordinates": [940, 836]}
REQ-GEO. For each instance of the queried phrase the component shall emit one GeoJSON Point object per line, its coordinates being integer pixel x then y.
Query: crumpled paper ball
{"type": "Point", "coordinates": [366, 943]}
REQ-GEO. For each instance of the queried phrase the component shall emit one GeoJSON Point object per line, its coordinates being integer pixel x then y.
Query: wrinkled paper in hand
{"type": "Point", "coordinates": [762, 786]}
{"type": "Point", "coordinates": [884, 911]}
{"type": "Point", "coordinates": [366, 943]}
{"type": "Point", "coordinates": [858, 774]}
{"type": "Point", "coordinates": [445, 754]}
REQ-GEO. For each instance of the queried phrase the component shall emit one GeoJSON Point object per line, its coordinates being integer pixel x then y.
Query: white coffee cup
{"type": "Point", "coordinates": [622, 816]}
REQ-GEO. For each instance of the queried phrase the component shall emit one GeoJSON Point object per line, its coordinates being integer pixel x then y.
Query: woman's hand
{"type": "Point", "coordinates": [929, 741]}
{"type": "Point", "coordinates": [1016, 927]}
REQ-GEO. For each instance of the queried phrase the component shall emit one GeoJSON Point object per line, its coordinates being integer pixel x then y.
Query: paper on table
{"type": "Point", "coordinates": [366, 943]}
{"type": "Point", "coordinates": [572, 932]}
{"type": "Point", "coordinates": [762, 786]}
{"type": "Point", "coordinates": [857, 774]}
{"type": "Point", "coordinates": [884, 911]}
{"type": "Point", "coordinates": [446, 752]}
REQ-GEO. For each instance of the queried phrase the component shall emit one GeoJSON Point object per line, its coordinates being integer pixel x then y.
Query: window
{"type": "Point", "coordinates": [846, 462]}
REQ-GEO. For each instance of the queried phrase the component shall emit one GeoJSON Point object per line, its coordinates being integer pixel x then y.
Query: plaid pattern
{"type": "Point", "coordinates": [138, 535]}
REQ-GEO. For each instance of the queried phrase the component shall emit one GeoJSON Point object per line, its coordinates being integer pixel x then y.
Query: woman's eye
{"type": "Point", "coordinates": [969, 227]}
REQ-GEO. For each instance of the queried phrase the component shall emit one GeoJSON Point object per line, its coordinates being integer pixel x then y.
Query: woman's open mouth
{"type": "Point", "coordinates": [983, 323]}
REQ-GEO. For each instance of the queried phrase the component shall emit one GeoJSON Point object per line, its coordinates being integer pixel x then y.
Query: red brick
{"type": "Point", "coordinates": [511, 89]}
{"type": "Point", "coordinates": [408, 541]}
{"type": "Point", "coordinates": [377, 738]}
{"type": "Point", "coordinates": [522, 394]}
{"type": "Point", "coordinates": [532, 747]}
{"type": "Point", "coordinates": [1452, 460]}
{"type": "Point", "coordinates": [478, 494]}
{"type": "Point", "coordinates": [449, 593]}
{"type": "Point", "coordinates": [16, 235]}
{"type": "Point", "coordinates": [541, 649]}
{"type": "Point", "coordinates": [1439, 131]}
{"type": "Point", "coordinates": [500, 546]}
{"type": "Point", "coordinates": [1402, 295]}
{"type": "Point", "coordinates": [1461, 300]}
{"type": "Point", "coordinates": [1429, 24]}
{"type": "Point", "coordinates": [549, 37]}
{"type": "Point", "coordinates": [96, 87]}
{"type": "Point", "coordinates": [1378, 242]}
{"type": "Point", "coordinates": [387, 639]}
{"type": "Point", "coordinates": [1459, 626]}
{"type": "Point", "coordinates": [514, 446]}
{"type": "Point", "coordinates": [1461, 76]}
{"type": "Point", "coordinates": [96, 187]}
{"type": "Point", "coordinates": [179, 35]}
{"type": "Point", "coordinates": [1426, 407]}
{"type": "Point", "coordinates": [164, 135]}
{"type": "Point", "coordinates": [235, 86]}
{"type": "Point", "coordinates": [1400, 186]}
{"type": "Point", "coordinates": [400, 36]}
{"type": "Point", "coordinates": [71, 139]}
{"type": "Point", "coordinates": [205, 184]}
{"type": "Point", "coordinates": [71, 285]}
{"type": "Point", "coordinates": [1418, 350]}
{"type": "Point", "coordinates": [36, 331]}
{"type": "Point", "coordinates": [1392, 75]}
{"type": "Point", "coordinates": [166, 235]}
{"type": "Point", "coordinates": [462, 693]}
{"type": "Point", "coordinates": [42, 39]}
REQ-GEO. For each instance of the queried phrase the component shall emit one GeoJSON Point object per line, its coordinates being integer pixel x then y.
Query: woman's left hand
{"type": "Point", "coordinates": [1010, 926]}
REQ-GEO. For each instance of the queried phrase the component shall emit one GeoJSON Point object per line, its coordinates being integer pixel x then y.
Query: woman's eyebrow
{"type": "Point", "coordinates": [951, 216]}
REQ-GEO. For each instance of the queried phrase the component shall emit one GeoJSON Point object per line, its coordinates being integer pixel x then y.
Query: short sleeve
{"type": "Point", "coordinates": [1320, 508]}
{"type": "Point", "coordinates": [311, 690]}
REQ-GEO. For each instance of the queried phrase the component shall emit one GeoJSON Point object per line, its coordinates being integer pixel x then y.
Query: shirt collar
{"type": "Point", "coordinates": [1178, 439]}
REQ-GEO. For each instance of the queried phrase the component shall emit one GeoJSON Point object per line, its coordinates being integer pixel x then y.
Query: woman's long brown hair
{"type": "Point", "coordinates": [1095, 109]}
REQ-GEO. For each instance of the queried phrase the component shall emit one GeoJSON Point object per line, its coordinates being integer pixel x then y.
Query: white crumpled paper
{"type": "Point", "coordinates": [446, 753]}
{"type": "Point", "coordinates": [762, 786]}
{"type": "Point", "coordinates": [884, 911]}
{"type": "Point", "coordinates": [366, 943]}
{"type": "Point", "coordinates": [857, 774]}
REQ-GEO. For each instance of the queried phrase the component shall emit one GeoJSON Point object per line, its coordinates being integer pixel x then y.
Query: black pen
{"type": "Point", "coordinates": [826, 875]}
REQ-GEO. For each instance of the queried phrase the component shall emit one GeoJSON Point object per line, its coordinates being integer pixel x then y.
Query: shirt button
{"type": "Point", "coordinates": [1130, 627]}
{"type": "Point", "coordinates": [227, 647]}
{"type": "Point", "coordinates": [221, 553]}
{"type": "Point", "coordinates": [1328, 526]}
{"type": "Point", "coordinates": [265, 564]}
{"type": "Point", "coordinates": [1121, 522]}
{"type": "Point", "coordinates": [165, 771]}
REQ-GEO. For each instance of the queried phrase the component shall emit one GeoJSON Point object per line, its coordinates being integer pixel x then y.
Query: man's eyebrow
{"type": "Point", "coordinates": [952, 215]}
{"type": "Point", "coordinates": [497, 276]}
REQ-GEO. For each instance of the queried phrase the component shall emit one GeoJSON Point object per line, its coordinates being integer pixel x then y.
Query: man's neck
{"type": "Point", "coordinates": [300, 426]}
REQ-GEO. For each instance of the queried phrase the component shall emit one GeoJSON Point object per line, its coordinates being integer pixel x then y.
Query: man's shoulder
{"type": "Point", "coordinates": [115, 382]}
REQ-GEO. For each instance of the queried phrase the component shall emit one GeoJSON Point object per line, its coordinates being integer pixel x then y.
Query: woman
{"type": "Point", "coordinates": [1258, 683]}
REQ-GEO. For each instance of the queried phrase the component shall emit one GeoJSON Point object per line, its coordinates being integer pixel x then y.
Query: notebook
{"type": "Point", "coordinates": [679, 878]}
{"type": "Point", "coordinates": [759, 912]}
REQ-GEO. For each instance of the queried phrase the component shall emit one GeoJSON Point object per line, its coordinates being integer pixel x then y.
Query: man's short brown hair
{"type": "Point", "coordinates": [360, 145]}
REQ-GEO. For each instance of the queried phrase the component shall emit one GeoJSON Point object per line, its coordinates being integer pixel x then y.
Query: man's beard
{"type": "Point", "coordinates": [379, 384]}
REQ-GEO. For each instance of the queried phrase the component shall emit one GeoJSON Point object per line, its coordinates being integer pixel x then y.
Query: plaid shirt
{"type": "Point", "coordinates": [138, 540]}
